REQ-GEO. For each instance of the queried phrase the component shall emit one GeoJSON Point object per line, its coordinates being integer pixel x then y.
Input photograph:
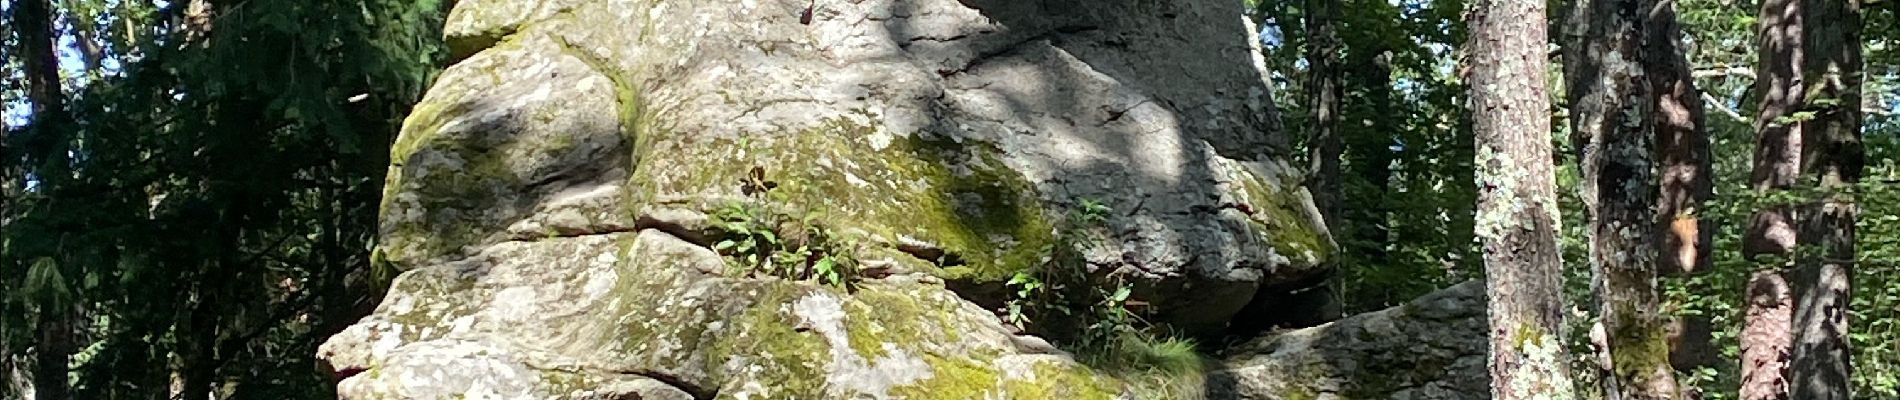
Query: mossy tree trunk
{"type": "Point", "coordinates": [1610, 101]}
{"type": "Point", "coordinates": [1770, 239]}
{"type": "Point", "coordinates": [1517, 215]}
{"type": "Point", "coordinates": [1833, 158]}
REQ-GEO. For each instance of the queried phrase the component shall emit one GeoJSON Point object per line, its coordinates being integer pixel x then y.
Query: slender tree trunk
{"type": "Point", "coordinates": [1323, 84]}
{"type": "Point", "coordinates": [1833, 156]}
{"type": "Point", "coordinates": [199, 354]}
{"type": "Point", "coordinates": [1517, 207]}
{"type": "Point", "coordinates": [1372, 148]}
{"type": "Point", "coordinates": [6, 190]}
{"type": "Point", "coordinates": [1682, 142]}
{"type": "Point", "coordinates": [86, 40]}
{"type": "Point", "coordinates": [54, 351]}
{"type": "Point", "coordinates": [1770, 238]}
{"type": "Point", "coordinates": [33, 20]}
{"type": "Point", "coordinates": [33, 23]}
{"type": "Point", "coordinates": [1610, 106]}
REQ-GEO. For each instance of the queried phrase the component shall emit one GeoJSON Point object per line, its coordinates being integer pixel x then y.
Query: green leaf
{"type": "Point", "coordinates": [1020, 278]}
{"type": "Point", "coordinates": [45, 282]}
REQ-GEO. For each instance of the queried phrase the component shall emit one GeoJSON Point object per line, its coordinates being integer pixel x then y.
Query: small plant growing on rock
{"type": "Point", "coordinates": [1064, 297]}
{"type": "Point", "coordinates": [765, 243]}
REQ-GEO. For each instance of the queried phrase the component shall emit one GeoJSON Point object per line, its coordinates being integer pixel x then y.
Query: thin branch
{"type": "Point", "coordinates": [1744, 72]}
{"type": "Point", "coordinates": [1718, 105]}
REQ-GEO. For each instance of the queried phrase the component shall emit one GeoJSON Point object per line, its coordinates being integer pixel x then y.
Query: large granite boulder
{"type": "Point", "coordinates": [961, 133]}
{"type": "Point", "coordinates": [1430, 349]}
{"type": "Point", "coordinates": [559, 199]}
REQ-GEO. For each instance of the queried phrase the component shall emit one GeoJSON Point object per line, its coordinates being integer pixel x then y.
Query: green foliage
{"type": "Point", "coordinates": [210, 205]}
{"type": "Point", "coordinates": [751, 238]}
{"type": "Point", "coordinates": [1091, 316]}
{"type": "Point", "coordinates": [1028, 289]}
{"type": "Point", "coordinates": [1063, 288]}
{"type": "Point", "coordinates": [1409, 232]}
{"type": "Point", "coordinates": [1093, 212]}
{"type": "Point", "coordinates": [45, 284]}
{"type": "Point", "coordinates": [1406, 224]}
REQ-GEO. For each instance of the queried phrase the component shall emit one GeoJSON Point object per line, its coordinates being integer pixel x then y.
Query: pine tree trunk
{"type": "Point", "coordinates": [1371, 152]}
{"type": "Point", "coordinates": [32, 20]}
{"type": "Point", "coordinates": [1517, 208]}
{"type": "Point", "coordinates": [1611, 107]}
{"type": "Point", "coordinates": [1323, 85]}
{"type": "Point", "coordinates": [54, 347]}
{"type": "Point", "coordinates": [1833, 156]}
{"type": "Point", "coordinates": [1682, 141]}
{"type": "Point", "coordinates": [1770, 238]}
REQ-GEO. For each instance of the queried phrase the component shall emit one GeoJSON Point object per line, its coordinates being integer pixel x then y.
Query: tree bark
{"type": "Point", "coordinates": [1517, 208]}
{"type": "Point", "coordinates": [86, 39]}
{"type": "Point", "coordinates": [1834, 158]}
{"type": "Point", "coordinates": [1323, 85]}
{"type": "Point", "coordinates": [1682, 143]}
{"type": "Point", "coordinates": [1611, 107]}
{"type": "Point", "coordinates": [1371, 151]}
{"type": "Point", "coordinates": [1770, 239]}
{"type": "Point", "coordinates": [33, 21]}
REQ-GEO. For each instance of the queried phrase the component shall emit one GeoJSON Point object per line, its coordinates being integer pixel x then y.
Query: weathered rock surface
{"type": "Point", "coordinates": [1430, 349]}
{"type": "Point", "coordinates": [963, 131]}
{"type": "Point", "coordinates": [648, 316]}
{"type": "Point", "coordinates": [550, 199]}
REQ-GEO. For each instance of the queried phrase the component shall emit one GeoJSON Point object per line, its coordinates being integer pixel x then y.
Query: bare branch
{"type": "Point", "coordinates": [1718, 105]}
{"type": "Point", "coordinates": [1744, 72]}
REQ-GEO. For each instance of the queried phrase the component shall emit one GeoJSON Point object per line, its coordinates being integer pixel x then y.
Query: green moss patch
{"type": "Point", "coordinates": [1281, 218]}
{"type": "Point", "coordinates": [959, 198]}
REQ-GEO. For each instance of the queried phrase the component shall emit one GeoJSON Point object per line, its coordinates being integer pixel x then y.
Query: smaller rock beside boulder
{"type": "Point", "coordinates": [1430, 349]}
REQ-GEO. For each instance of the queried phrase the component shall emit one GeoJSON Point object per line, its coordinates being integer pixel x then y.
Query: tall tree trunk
{"type": "Point", "coordinates": [1372, 150]}
{"type": "Point", "coordinates": [1682, 142]}
{"type": "Point", "coordinates": [1517, 207]}
{"type": "Point", "coordinates": [1833, 156]}
{"type": "Point", "coordinates": [1610, 106]}
{"type": "Point", "coordinates": [33, 21]}
{"type": "Point", "coordinates": [86, 40]}
{"type": "Point", "coordinates": [54, 351]}
{"type": "Point", "coordinates": [1770, 238]}
{"type": "Point", "coordinates": [1323, 85]}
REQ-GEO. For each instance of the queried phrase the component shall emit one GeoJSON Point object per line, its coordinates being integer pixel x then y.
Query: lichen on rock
{"type": "Point", "coordinates": [552, 199]}
{"type": "Point", "coordinates": [1430, 349]}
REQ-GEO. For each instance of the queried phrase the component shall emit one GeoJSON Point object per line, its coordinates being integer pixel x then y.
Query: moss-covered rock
{"type": "Point", "coordinates": [549, 198]}
{"type": "Point", "coordinates": [534, 319]}
{"type": "Point", "coordinates": [519, 141]}
{"type": "Point", "coordinates": [958, 204]}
